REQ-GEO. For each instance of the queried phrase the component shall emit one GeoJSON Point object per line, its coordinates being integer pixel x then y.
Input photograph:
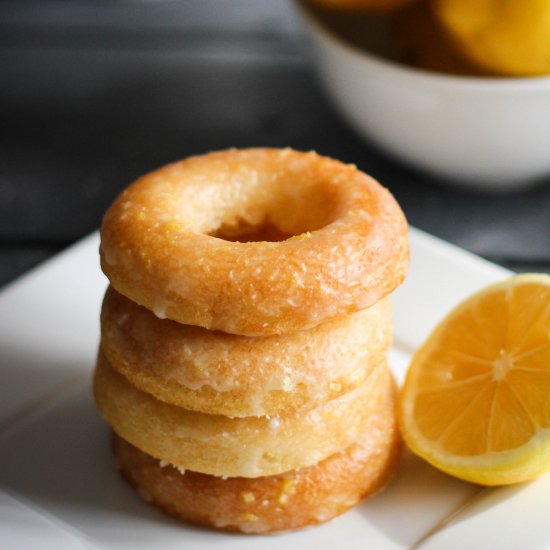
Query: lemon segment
{"type": "Point", "coordinates": [476, 399]}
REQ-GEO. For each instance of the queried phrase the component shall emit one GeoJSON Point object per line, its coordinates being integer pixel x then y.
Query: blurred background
{"type": "Point", "coordinates": [95, 93]}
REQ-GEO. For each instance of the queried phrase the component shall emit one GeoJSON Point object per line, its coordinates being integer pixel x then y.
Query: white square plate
{"type": "Point", "coordinates": [59, 487]}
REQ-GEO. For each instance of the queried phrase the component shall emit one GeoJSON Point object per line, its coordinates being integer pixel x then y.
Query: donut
{"type": "Point", "coordinates": [255, 241]}
{"type": "Point", "coordinates": [295, 499]}
{"type": "Point", "coordinates": [245, 447]}
{"type": "Point", "coordinates": [218, 373]}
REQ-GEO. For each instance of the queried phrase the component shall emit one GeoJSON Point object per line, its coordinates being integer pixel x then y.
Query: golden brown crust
{"type": "Point", "coordinates": [247, 447]}
{"type": "Point", "coordinates": [238, 376]}
{"type": "Point", "coordinates": [347, 251]}
{"type": "Point", "coordinates": [291, 500]}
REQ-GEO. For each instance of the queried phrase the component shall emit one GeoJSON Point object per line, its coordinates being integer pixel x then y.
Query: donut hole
{"type": "Point", "coordinates": [244, 232]}
{"type": "Point", "coordinates": [282, 212]}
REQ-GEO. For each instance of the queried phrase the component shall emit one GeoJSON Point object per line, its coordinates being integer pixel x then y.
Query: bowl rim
{"type": "Point", "coordinates": [477, 83]}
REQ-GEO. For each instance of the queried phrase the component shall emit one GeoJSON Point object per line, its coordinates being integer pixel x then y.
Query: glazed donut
{"type": "Point", "coordinates": [237, 376]}
{"type": "Point", "coordinates": [246, 447]}
{"type": "Point", "coordinates": [301, 497]}
{"type": "Point", "coordinates": [337, 241]}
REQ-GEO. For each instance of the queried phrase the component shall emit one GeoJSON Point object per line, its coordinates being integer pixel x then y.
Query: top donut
{"type": "Point", "coordinates": [255, 241]}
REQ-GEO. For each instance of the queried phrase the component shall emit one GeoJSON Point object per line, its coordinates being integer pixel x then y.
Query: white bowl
{"type": "Point", "coordinates": [490, 134]}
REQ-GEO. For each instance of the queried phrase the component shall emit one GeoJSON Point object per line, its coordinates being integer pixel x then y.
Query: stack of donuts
{"type": "Point", "coordinates": [242, 364]}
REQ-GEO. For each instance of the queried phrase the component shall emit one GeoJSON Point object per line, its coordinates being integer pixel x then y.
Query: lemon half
{"type": "Point", "coordinates": [476, 399]}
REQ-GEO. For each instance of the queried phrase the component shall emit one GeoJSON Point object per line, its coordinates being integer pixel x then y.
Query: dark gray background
{"type": "Point", "coordinates": [94, 93]}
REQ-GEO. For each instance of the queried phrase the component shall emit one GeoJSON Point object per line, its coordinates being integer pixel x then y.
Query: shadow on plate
{"type": "Point", "coordinates": [419, 498]}
{"type": "Point", "coordinates": [421, 501]}
{"type": "Point", "coordinates": [61, 462]}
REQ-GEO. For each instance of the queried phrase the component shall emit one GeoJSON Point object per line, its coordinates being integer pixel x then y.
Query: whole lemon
{"type": "Point", "coordinates": [421, 42]}
{"type": "Point", "coordinates": [508, 37]}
